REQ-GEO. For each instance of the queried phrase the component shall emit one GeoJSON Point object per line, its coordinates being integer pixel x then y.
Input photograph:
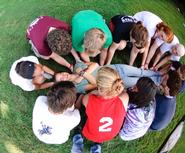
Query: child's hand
{"type": "Point", "coordinates": [78, 79]}
{"type": "Point", "coordinates": [146, 66]}
{"type": "Point", "coordinates": [78, 70]}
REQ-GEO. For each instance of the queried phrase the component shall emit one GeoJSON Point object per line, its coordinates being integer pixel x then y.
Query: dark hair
{"type": "Point", "coordinates": [174, 83]}
{"type": "Point", "coordinates": [25, 69]}
{"type": "Point", "coordinates": [145, 94]}
{"type": "Point", "coordinates": [59, 41]}
{"type": "Point", "coordinates": [140, 34]}
{"type": "Point", "coordinates": [182, 71]}
{"type": "Point", "coordinates": [61, 96]}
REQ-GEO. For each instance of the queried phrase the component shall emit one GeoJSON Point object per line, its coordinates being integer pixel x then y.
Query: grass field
{"type": "Point", "coordinates": [16, 106]}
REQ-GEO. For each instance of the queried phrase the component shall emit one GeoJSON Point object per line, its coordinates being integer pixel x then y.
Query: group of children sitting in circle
{"type": "Point", "coordinates": [118, 98]}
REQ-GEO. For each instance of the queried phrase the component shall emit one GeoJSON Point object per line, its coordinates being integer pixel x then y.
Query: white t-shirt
{"type": "Point", "coordinates": [149, 20]}
{"type": "Point", "coordinates": [50, 128]}
{"type": "Point", "coordinates": [16, 79]}
{"type": "Point", "coordinates": [137, 122]}
{"type": "Point", "coordinates": [168, 46]}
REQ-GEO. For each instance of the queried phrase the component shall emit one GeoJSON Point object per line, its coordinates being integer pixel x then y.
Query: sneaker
{"type": "Point", "coordinates": [95, 148]}
{"type": "Point", "coordinates": [77, 144]}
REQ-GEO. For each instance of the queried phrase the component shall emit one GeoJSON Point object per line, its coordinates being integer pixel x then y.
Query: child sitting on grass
{"type": "Point", "coordinates": [29, 75]}
{"type": "Point", "coordinates": [54, 115]}
{"type": "Point", "coordinates": [50, 38]}
{"type": "Point", "coordinates": [105, 109]}
{"type": "Point", "coordinates": [175, 53]}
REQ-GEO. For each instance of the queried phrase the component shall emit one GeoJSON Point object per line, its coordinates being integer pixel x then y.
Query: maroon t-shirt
{"type": "Point", "coordinates": [37, 32]}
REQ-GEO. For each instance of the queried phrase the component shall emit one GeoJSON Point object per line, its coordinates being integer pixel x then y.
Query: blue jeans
{"type": "Point", "coordinates": [165, 110]}
{"type": "Point", "coordinates": [130, 74]}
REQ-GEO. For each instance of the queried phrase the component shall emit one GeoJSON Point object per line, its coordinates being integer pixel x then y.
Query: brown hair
{"type": "Point", "coordinates": [109, 82]}
{"type": "Point", "coordinates": [174, 83]}
{"type": "Point", "coordinates": [59, 41]}
{"type": "Point", "coordinates": [140, 34]}
{"type": "Point", "coordinates": [182, 72]}
{"type": "Point", "coordinates": [94, 39]}
{"type": "Point", "coordinates": [61, 96]}
{"type": "Point", "coordinates": [167, 30]}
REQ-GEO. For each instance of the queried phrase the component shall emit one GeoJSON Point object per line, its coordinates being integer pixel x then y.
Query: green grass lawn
{"type": "Point", "coordinates": [16, 106]}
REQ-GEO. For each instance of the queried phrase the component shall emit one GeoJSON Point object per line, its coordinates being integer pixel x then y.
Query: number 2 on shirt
{"type": "Point", "coordinates": [107, 122]}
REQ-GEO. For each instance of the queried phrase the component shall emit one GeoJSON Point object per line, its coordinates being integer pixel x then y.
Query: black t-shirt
{"type": "Point", "coordinates": [122, 26]}
{"type": "Point", "coordinates": [176, 65]}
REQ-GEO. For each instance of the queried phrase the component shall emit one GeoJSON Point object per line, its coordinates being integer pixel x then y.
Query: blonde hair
{"type": "Point", "coordinates": [109, 82]}
{"type": "Point", "coordinates": [180, 50]}
{"type": "Point", "coordinates": [94, 40]}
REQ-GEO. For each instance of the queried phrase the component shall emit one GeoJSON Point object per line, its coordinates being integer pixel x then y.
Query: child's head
{"type": "Point", "coordinates": [181, 72]}
{"type": "Point", "coordinates": [109, 82]}
{"type": "Point", "coordinates": [143, 92]}
{"type": "Point", "coordinates": [25, 69]}
{"type": "Point", "coordinates": [165, 32]}
{"type": "Point", "coordinates": [61, 96]}
{"type": "Point", "coordinates": [94, 41]}
{"type": "Point", "coordinates": [59, 41]}
{"type": "Point", "coordinates": [174, 83]}
{"type": "Point", "coordinates": [139, 35]}
{"type": "Point", "coordinates": [28, 69]}
{"type": "Point", "coordinates": [178, 50]}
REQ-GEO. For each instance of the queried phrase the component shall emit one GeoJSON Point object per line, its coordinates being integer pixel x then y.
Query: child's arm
{"type": "Point", "coordinates": [85, 100]}
{"type": "Point", "coordinates": [85, 57]}
{"type": "Point", "coordinates": [78, 102]}
{"type": "Point", "coordinates": [90, 87]}
{"type": "Point", "coordinates": [111, 52]}
{"type": "Point", "coordinates": [133, 56]}
{"type": "Point", "coordinates": [48, 70]}
{"type": "Point", "coordinates": [92, 66]}
{"type": "Point", "coordinates": [151, 53]}
{"type": "Point", "coordinates": [162, 62]}
{"type": "Point", "coordinates": [87, 73]}
{"type": "Point", "coordinates": [59, 59]}
{"type": "Point", "coordinates": [124, 98]}
{"type": "Point", "coordinates": [44, 85]}
{"type": "Point", "coordinates": [144, 58]}
{"type": "Point", "coordinates": [75, 55]}
{"type": "Point", "coordinates": [103, 56]}
{"type": "Point", "coordinates": [157, 59]}
{"type": "Point", "coordinates": [145, 54]}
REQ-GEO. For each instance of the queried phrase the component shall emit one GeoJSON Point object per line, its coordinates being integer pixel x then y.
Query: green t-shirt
{"type": "Point", "coordinates": [82, 22]}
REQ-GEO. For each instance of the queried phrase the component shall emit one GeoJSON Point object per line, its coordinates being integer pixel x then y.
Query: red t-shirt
{"type": "Point", "coordinates": [104, 118]}
{"type": "Point", "coordinates": [37, 32]}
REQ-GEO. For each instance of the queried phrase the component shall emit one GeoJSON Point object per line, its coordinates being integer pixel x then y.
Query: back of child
{"type": "Point", "coordinates": [106, 107]}
{"type": "Point", "coordinates": [54, 115]}
{"type": "Point", "coordinates": [141, 110]}
{"type": "Point", "coordinates": [50, 38]}
{"type": "Point", "coordinates": [24, 83]}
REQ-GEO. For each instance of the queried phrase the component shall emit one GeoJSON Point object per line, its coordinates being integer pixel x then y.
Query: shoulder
{"type": "Point", "coordinates": [85, 100]}
{"type": "Point", "coordinates": [124, 98]}
{"type": "Point", "coordinates": [40, 105]}
{"type": "Point", "coordinates": [41, 100]}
